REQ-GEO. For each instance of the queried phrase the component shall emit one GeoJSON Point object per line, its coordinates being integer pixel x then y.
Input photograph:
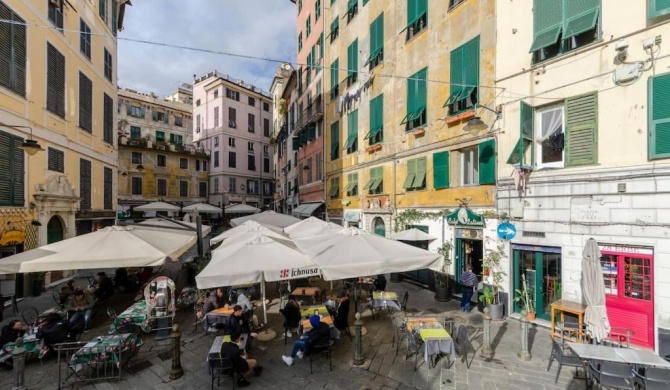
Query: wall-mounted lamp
{"type": "Point", "coordinates": [476, 124]}
{"type": "Point", "coordinates": [140, 167]}
{"type": "Point", "coordinates": [30, 146]}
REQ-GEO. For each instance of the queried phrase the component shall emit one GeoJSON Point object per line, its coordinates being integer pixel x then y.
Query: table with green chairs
{"type": "Point", "coordinates": [436, 339]}
{"type": "Point", "coordinates": [137, 314]}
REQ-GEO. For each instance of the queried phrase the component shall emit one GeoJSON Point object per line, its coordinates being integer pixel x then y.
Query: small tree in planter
{"type": "Point", "coordinates": [524, 297]}
{"type": "Point", "coordinates": [442, 291]}
{"type": "Point", "coordinates": [495, 275]}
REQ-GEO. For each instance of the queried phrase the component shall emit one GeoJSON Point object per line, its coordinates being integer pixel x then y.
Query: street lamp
{"type": "Point", "coordinates": [30, 146]}
{"type": "Point", "coordinates": [476, 124]}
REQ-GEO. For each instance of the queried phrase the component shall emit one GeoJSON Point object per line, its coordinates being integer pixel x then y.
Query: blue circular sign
{"type": "Point", "coordinates": [506, 231]}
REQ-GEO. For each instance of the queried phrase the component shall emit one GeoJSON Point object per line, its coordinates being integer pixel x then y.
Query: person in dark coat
{"type": "Point", "coordinates": [11, 332]}
{"type": "Point", "coordinates": [291, 313]}
{"type": "Point", "coordinates": [319, 333]}
{"type": "Point", "coordinates": [55, 330]}
{"type": "Point", "coordinates": [104, 286]}
{"type": "Point", "coordinates": [380, 283]}
{"type": "Point", "coordinates": [241, 363]}
{"type": "Point", "coordinates": [238, 323]}
{"type": "Point", "coordinates": [342, 317]}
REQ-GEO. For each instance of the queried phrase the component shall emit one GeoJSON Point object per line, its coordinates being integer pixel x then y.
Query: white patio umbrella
{"type": "Point", "coordinates": [111, 247]}
{"type": "Point", "coordinates": [241, 209]}
{"type": "Point", "coordinates": [256, 259]}
{"type": "Point", "coordinates": [308, 223]}
{"type": "Point", "coordinates": [202, 208]}
{"type": "Point", "coordinates": [316, 230]}
{"type": "Point", "coordinates": [412, 234]}
{"type": "Point", "coordinates": [249, 227]}
{"type": "Point", "coordinates": [353, 253]}
{"type": "Point", "coordinates": [267, 218]}
{"type": "Point", "coordinates": [593, 288]}
{"type": "Point", "coordinates": [168, 223]}
{"type": "Point", "coordinates": [157, 206]}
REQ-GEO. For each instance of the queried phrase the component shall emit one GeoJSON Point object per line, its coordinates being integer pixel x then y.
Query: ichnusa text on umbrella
{"type": "Point", "coordinates": [293, 273]}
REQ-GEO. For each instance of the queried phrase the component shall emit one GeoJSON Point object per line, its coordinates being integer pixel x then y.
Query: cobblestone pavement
{"type": "Point", "coordinates": [381, 370]}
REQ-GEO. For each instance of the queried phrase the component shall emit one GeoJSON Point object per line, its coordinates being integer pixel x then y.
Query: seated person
{"type": "Point", "coordinates": [237, 323]}
{"type": "Point", "coordinates": [341, 320]}
{"type": "Point", "coordinates": [11, 332]}
{"type": "Point", "coordinates": [291, 313]}
{"type": "Point", "coordinates": [55, 330]}
{"type": "Point", "coordinates": [144, 276]}
{"type": "Point", "coordinates": [380, 283]}
{"type": "Point", "coordinates": [80, 307]}
{"type": "Point", "coordinates": [241, 363]}
{"type": "Point", "coordinates": [66, 291]}
{"type": "Point", "coordinates": [247, 306]}
{"type": "Point", "coordinates": [319, 333]}
{"type": "Point", "coordinates": [213, 302]}
{"type": "Point", "coordinates": [104, 286]}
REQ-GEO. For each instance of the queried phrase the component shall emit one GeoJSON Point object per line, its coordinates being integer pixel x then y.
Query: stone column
{"type": "Point", "coordinates": [177, 371]}
{"type": "Point", "coordinates": [358, 341]}
{"type": "Point", "coordinates": [19, 360]}
{"type": "Point", "coordinates": [486, 351]}
{"type": "Point", "coordinates": [524, 354]}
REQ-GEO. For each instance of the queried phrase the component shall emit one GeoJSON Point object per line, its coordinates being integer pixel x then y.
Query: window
{"type": "Point", "coordinates": [659, 119]}
{"type": "Point", "coordinates": [464, 78]}
{"type": "Point", "coordinates": [216, 116]}
{"type": "Point", "coordinates": [416, 101]}
{"type": "Point", "coordinates": [376, 183]}
{"type": "Point", "coordinates": [135, 132]}
{"type": "Point", "coordinates": [108, 119]}
{"type": "Point", "coordinates": [202, 189]}
{"type": "Point", "coordinates": [352, 62]}
{"type": "Point", "coordinates": [250, 147]}
{"type": "Point", "coordinates": [251, 162]}
{"type": "Point", "coordinates": [417, 18]}
{"type": "Point", "coordinates": [137, 186]}
{"type": "Point", "coordinates": [56, 161]}
{"type": "Point", "coordinates": [84, 39]}
{"type": "Point", "coordinates": [352, 184]}
{"type": "Point", "coordinates": [334, 187]}
{"type": "Point", "coordinates": [300, 41]}
{"type": "Point", "coordinates": [162, 187]}
{"type": "Point", "coordinates": [416, 174]}
{"type": "Point", "coordinates": [469, 166]}
{"type": "Point", "coordinates": [266, 164]}
{"type": "Point", "coordinates": [108, 64]}
{"type": "Point", "coordinates": [177, 139]}
{"type": "Point", "coordinates": [183, 163]}
{"type": "Point", "coordinates": [85, 103]}
{"type": "Point", "coordinates": [183, 188]}
{"type": "Point", "coordinates": [453, 3]}
{"type": "Point", "coordinates": [84, 184]}
{"type": "Point", "coordinates": [231, 142]}
{"type": "Point", "coordinates": [334, 79]}
{"type": "Point", "coordinates": [12, 174]}
{"type": "Point", "coordinates": [551, 136]}
{"type": "Point", "coordinates": [216, 141]}
{"type": "Point", "coordinates": [308, 26]}
{"type": "Point", "coordinates": [197, 165]}
{"type": "Point", "coordinates": [299, 6]}
{"type": "Point", "coordinates": [334, 140]}
{"type": "Point", "coordinates": [216, 185]}
{"type": "Point", "coordinates": [135, 111]}
{"type": "Point", "coordinates": [232, 160]}
{"type": "Point", "coordinates": [251, 123]}
{"type": "Point", "coordinates": [376, 42]}
{"type": "Point", "coordinates": [197, 103]}
{"type": "Point", "coordinates": [204, 165]}
{"type": "Point", "coordinates": [440, 170]}
{"type": "Point", "coordinates": [159, 116]}
{"type": "Point", "coordinates": [107, 188]}
{"type": "Point", "coordinates": [317, 10]}
{"type": "Point", "coordinates": [215, 94]}
{"type": "Point", "coordinates": [230, 94]}
{"type": "Point", "coordinates": [352, 10]}
{"type": "Point", "coordinates": [334, 28]}
{"type": "Point", "coordinates": [160, 136]}
{"type": "Point", "coordinates": [197, 123]}
{"type": "Point", "coordinates": [179, 121]}
{"type": "Point", "coordinates": [266, 150]}
{"type": "Point", "coordinates": [55, 81]}
{"type": "Point", "coordinates": [161, 160]}
{"type": "Point", "coordinates": [563, 25]}
{"type": "Point", "coordinates": [266, 127]}
{"type": "Point", "coordinates": [267, 188]}
{"type": "Point", "coordinates": [352, 132]}
{"type": "Point", "coordinates": [266, 107]}
{"type": "Point", "coordinates": [232, 185]}
{"type": "Point", "coordinates": [56, 13]}
{"type": "Point", "coordinates": [376, 133]}
{"type": "Point", "coordinates": [102, 9]}
{"type": "Point", "coordinates": [232, 118]}
{"type": "Point", "coordinates": [309, 170]}
{"type": "Point", "coordinates": [136, 158]}
{"type": "Point", "coordinates": [657, 8]}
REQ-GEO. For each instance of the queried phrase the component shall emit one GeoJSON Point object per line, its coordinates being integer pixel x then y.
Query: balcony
{"type": "Point", "coordinates": [312, 114]}
{"type": "Point", "coordinates": [161, 145]}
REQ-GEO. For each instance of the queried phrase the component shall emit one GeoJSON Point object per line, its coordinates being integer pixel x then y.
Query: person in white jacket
{"type": "Point", "coordinates": [248, 307]}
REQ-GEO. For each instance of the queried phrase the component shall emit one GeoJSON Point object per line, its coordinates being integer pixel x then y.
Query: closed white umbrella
{"type": "Point", "coordinates": [248, 227]}
{"type": "Point", "coordinates": [157, 206]}
{"type": "Point", "coordinates": [111, 247]}
{"type": "Point", "coordinates": [267, 218]}
{"type": "Point", "coordinates": [353, 253]}
{"type": "Point", "coordinates": [412, 234]}
{"type": "Point", "coordinates": [241, 209]}
{"type": "Point", "coordinates": [202, 208]}
{"type": "Point", "coordinates": [593, 289]}
{"type": "Point", "coordinates": [171, 223]}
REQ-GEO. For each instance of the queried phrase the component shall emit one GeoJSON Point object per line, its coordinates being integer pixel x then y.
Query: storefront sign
{"type": "Point", "coordinates": [12, 237]}
{"type": "Point", "coordinates": [621, 248]}
{"type": "Point", "coordinates": [292, 273]}
{"type": "Point", "coordinates": [536, 248]}
{"type": "Point", "coordinates": [352, 216]}
{"type": "Point", "coordinates": [464, 217]}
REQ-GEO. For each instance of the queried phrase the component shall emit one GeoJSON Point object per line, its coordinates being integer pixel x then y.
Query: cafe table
{"type": "Point", "coordinates": [436, 339]}
{"type": "Point", "coordinates": [618, 355]}
{"type": "Point", "coordinates": [32, 345]}
{"type": "Point", "coordinates": [217, 316]}
{"type": "Point", "coordinates": [117, 348]}
{"type": "Point", "coordinates": [385, 299]}
{"type": "Point", "coordinates": [137, 314]}
{"type": "Point", "coordinates": [307, 292]}
{"type": "Point", "coordinates": [305, 326]}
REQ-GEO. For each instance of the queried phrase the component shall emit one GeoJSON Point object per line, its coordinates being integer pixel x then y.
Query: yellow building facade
{"type": "Point", "coordinates": [57, 87]}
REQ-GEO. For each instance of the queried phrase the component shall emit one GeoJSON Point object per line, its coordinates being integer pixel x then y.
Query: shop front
{"type": "Point", "coordinates": [468, 244]}
{"type": "Point", "coordinates": [540, 266]}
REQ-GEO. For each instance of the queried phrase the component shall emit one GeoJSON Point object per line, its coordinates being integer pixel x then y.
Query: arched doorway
{"type": "Point", "coordinates": [54, 230]}
{"type": "Point", "coordinates": [379, 227]}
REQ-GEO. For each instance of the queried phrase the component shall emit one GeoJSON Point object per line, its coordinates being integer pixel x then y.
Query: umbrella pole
{"type": "Point", "coordinates": [265, 309]}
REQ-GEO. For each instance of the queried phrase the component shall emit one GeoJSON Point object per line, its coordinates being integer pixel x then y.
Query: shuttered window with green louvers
{"type": "Point", "coordinates": [376, 133]}
{"type": "Point", "coordinates": [376, 42]}
{"type": "Point", "coordinates": [334, 79]}
{"type": "Point", "coordinates": [656, 8]}
{"type": "Point", "coordinates": [352, 62]}
{"type": "Point", "coordinates": [334, 28]}
{"type": "Point", "coordinates": [526, 130]}
{"type": "Point", "coordinates": [56, 161]}
{"type": "Point", "coordinates": [55, 81]}
{"type": "Point", "coordinates": [84, 184]}
{"type": "Point", "coordinates": [108, 120]}
{"type": "Point", "coordinates": [659, 117]}
{"type": "Point", "coordinates": [416, 174]}
{"type": "Point", "coordinates": [487, 162]}
{"type": "Point", "coordinates": [85, 103]}
{"type": "Point", "coordinates": [107, 201]}
{"type": "Point", "coordinates": [351, 145]}
{"type": "Point", "coordinates": [334, 187]}
{"type": "Point", "coordinates": [334, 140]}
{"type": "Point", "coordinates": [352, 184]}
{"type": "Point", "coordinates": [464, 77]}
{"type": "Point", "coordinates": [13, 55]}
{"type": "Point", "coordinates": [416, 101]}
{"type": "Point", "coordinates": [11, 170]}
{"type": "Point", "coordinates": [581, 127]}
{"type": "Point", "coordinates": [376, 183]}
{"type": "Point", "coordinates": [440, 170]}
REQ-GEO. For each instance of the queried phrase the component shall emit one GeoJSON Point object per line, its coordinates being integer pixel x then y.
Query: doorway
{"type": "Point", "coordinates": [541, 268]}
{"type": "Point", "coordinates": [468, 252]}
{"type": "Point", "coordinates": [378, 226]}
{"type": "Point", "coordinates": [54, 230]}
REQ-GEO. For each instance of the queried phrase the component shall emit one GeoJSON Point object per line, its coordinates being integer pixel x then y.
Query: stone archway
{"type": "Point", "coordinates": [379, 227]}
{"type": "Point", "coordinates": [55, 230]}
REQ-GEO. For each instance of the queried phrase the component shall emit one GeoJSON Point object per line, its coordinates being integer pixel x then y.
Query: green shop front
{"type": "Point", "coordinates": [540, 267]}
{"type": "Point", "coordinates": [468, 244]}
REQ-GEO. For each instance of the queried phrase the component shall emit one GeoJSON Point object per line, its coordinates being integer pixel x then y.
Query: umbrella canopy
{"type": "Point", "coordinates": [412, 234]}
{"type": "Point", "coordinates": [157, 206]}
{"type": "Point", "coordinates": [308, 223]}
{"type": "Point", "coordinates": [316, 230]}
{"type": "Point", "coordinates": [593, 289]}
{"type": "Point", "coordinates": [203, 208]}
{"type": "Point", "coordinates": [353, 253]}
{"type": "Point", "coordinates": [111, 247]}
{"type": "Point", "coordinates": [171, 223]}
{"type": "Point", "coordinates": [241, 209]}
{"type": "Point", "coordinates": [267, 218]}
{"type": "Point", "coordinates": [249, 227]}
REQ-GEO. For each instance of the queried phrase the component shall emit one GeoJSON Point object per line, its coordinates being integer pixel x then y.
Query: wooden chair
{"type": "Point", "coordinates": [323, 347]}
{"type": "Point", "coordinates": [221, 367]}
{"type": "Point", "coordinates": [564, 357]}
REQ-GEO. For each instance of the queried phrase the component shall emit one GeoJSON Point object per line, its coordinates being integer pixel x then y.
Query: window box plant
{"type": "Point", "coordinates": [419, 132]}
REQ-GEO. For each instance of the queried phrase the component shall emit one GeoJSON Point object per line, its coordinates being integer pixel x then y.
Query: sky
{"type": "Point", "coordinates": [263, 28]}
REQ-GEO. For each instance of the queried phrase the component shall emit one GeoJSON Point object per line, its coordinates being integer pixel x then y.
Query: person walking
{"type": "Point", "coordinates": [469, 282]}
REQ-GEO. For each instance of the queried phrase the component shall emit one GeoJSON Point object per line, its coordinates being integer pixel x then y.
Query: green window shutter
{"type": "Point", "coordinates": [526, 131]}
{"type": "Point", "coordinates": [440, 170]}
{"type": "Point", "coordinates": [580, 16]}
{"type": "Point", "coordinates": [11, 170]}
{"type": "Point", "coordinates": [656, 8]}
{"type": "Point", "coordinates": [420, 177]}
{"type": "Point", "coordinates": [411, 98]}
{"type": "Point", "coordinates": [380, 32]}
{"type": "Point", "coordinates": [334, 187]}
{"type": "Point", "coordinates": [659, 116]}
{"type": "Point", "coordinates": [471, 64]}
{"type": "Point", "coordinates": [547, 23]}
{"type": "Point", "coordinates": [334, 140]}
{"type": "Point", "coordinates": [487, 162]}
{"type": "Point", "coordinates": [365, 2]}
{"type": "Point", "coordinates": [114, 17]}
{"type": "Point", "coordinates": [411, 11]}
{"type": "Point", "coordinates": [352, 58]}
{"type": "Point", "coordinates": [379, 179]}
{"type": "Point", "coordinates": [295, 143]}
{"type": "Point", "coordinates": [455, 74]}
{"type": "Point", "coordinates": [411, 173]}
{"type": "Point", "coordinates": [160, 135]}
{"type": "Point", "coordinates": [581, 130]}
{"type": "Point", "coordinates": [321, 48]}
{"type": "Point", "coordinates": [421, 91]}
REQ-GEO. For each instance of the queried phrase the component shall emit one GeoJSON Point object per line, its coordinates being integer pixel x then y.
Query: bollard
{"type": "Point", "coordinates": [486, 352]}
{"type": "Point", "coordinates": [19, 360]}
{"type": "Point", "coordinates": [524, 354]}
{"type": "Point", "coordinates": [358, 340]}
{"type": "Point", "coordinates": [177, 371]}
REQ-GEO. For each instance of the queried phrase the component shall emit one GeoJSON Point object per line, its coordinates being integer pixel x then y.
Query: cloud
{"type": "Point", "coordinates": [260, 28]}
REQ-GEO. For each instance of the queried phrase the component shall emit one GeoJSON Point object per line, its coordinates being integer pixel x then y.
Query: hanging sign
{"type": "Point", "coordinates": [506, 231]}
{"type": "Point", "coordinates": [12, 237]}
{"type": "Point", "coordinates": [466, 218]}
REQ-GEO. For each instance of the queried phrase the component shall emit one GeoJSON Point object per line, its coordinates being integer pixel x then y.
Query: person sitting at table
{"type": "Point", "coordinates": [238, 323]}
{"type": "Point", "coordinates": [244, 366]}
{"type": "Point", "coordinates": [291, 313]}
{"type": "Point", "coordinates": [243, 300]}
{"type": "Point", "coordinates": [104, 287]}
{"type": "Point", "coordinates": [380, 283]}
{"type": "Point", "coordinates": [55, 330]}
{"type": "Point", "coordinates": [341, 320]}
{"type": "Point", "coordinates": [80, 307]}
{"type": "Point", "coordinates": [11, 332]}
{"type": "Point", "coordinates": [66, 291]}
{"type": "Point", "coordinates": [320, 332]}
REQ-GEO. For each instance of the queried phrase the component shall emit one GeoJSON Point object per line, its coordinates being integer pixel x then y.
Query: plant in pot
{"type": "Point", "coordinates": [494, 276]}
{"type": "Point", "coordinates": [487, 296]}
{"type": "Point", "coordinates": [523, 296]}
{"type": "Point", "coordinates": [442, 290]}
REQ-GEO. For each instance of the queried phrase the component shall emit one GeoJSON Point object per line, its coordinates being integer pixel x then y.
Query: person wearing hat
{"type": "Point", "coordinates": [342, 316]}
{"type": "Point", "coordinates": [320, 332]}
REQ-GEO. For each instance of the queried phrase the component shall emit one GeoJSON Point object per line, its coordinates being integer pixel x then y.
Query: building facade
{"type": "Point", "coordinates": [397, 104]}
{"type": "Point", "coordinates": [233, 120]}
{"type": "Point", "coordinates": [586, 141]}
{"type": "Point", "coordinates": [281, 148]}
{"type": "Point", "coordinates": [157, 158]}
{"type": "Point", "coordinates": [58, 88]}
{"type": "Point", "coordinates": [308, 134]}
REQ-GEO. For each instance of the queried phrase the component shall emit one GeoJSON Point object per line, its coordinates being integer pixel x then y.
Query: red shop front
{"type": "Point", "coordinates": [629, 287]}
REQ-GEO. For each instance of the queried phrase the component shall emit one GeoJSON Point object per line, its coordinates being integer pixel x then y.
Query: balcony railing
{"type": "Point", "coordinates": [312, 114]}
{"type": "Point", "coordinates": [161, 145]}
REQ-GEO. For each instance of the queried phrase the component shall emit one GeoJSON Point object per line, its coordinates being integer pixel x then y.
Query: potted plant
{"type": "Point", "coordinates": [523, 296]}
{"type": "Point", "coordinates": [494, 278]}
{"type": "Point", "coordinates": [442, 290]}
{"type": "Point", "coordinates": [487, 296]}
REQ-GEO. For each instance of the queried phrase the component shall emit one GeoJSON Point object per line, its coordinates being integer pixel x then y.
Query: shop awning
{"type": "Point", "coordinates": [306, 209]}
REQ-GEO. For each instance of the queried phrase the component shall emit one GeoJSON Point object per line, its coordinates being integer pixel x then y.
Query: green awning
{"type": "Point", "coordinates": [409, 180]}
{"type": "Point", "coordinates": [350, 140]}
{"type": "Point", "coordinates": [515, 156]}
{"type": "Point", "coordinates": [351, 4]}
{"type": "Point", "coordinates": [581, 23]}
{"type": "Point", "coordinates": [545, 38]}
{"type": "Point", "coordinates": [377, 181]}
{"type": "Point", "coordinates": [453, 98]}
